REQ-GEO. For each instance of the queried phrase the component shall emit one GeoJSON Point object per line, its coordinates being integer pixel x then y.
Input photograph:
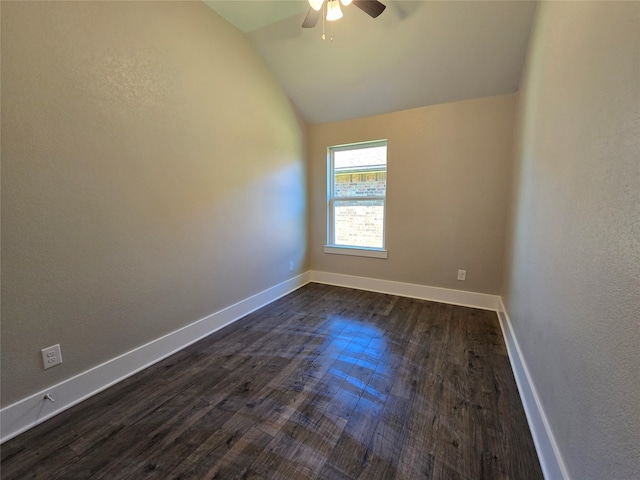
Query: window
{"type": "Point", "coordinates": [356, 197]}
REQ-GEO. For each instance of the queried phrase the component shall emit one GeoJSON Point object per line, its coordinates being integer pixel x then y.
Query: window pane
{"type": "Point", "coordinates": [359, 223]}
{"type": "Point", "coordinates": [356, 195]}
{"type": "Point", "coordinates": [360, 184]}
{"type": "Point", "coordinates": [360, 172]}
{"type": "Point", "coordinates": [360, 158]}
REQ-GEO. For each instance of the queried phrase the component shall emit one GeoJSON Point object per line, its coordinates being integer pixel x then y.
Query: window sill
{"type": "Point", "coordinates": [356, 251]}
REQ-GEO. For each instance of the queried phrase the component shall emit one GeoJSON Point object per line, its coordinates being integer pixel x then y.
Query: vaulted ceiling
{"type": "Point", "coordinates": [415, 54]}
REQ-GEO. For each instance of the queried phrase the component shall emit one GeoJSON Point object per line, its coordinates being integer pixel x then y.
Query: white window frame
{"type": "Point", "coordinates": [359, 251]}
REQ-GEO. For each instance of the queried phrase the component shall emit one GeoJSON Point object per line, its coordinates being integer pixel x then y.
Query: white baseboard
{"type": "Point", "coordinates": [33, 410]}
{"type": "Point", "coordinates": [436, 294]}
{"type": "Point", "coordinates": [549, 455]}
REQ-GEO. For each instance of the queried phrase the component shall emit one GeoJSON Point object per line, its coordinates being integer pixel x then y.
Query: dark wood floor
{"type": "Point", "coordinates": [326, 383]}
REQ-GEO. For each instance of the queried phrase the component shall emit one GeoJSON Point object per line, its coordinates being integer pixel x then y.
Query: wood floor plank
{"type": "Point", "coordinates": [235, 463]}
{"type": "Point", "coordinates": [326, 383]}
{"type": "Point", "coordinates": [133, 449]}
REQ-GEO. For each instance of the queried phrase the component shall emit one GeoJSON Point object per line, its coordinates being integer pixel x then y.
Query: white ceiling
{"type": "Point", "coordinates": [416, 53]}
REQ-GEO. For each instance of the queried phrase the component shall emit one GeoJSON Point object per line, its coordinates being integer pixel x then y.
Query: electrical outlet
{"type": "Point", "coordinates": [291, 266]}
{"type": "Point", "coordinates": [51, 356]}
{"type": "Point", "coordinates": [462, 274]}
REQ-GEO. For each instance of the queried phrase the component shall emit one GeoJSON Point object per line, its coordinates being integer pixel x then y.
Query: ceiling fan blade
{"type": "Point", "coordinates": [372, 8]}
{"type": "Point", "coordinates": [312, 18]}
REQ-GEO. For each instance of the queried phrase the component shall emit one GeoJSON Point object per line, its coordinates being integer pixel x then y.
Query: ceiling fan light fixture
{"type": "Point", "coordinates": [316, 4]}
{"type": "Point", "coordinates": [346, 2]}
{"type": "Point", "coordinates": [333, 10]}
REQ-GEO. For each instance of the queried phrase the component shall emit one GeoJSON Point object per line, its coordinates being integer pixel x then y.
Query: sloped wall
{"type": "Point", "coordinates": [152, 173]}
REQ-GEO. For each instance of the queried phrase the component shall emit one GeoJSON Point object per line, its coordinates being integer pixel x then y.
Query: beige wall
{"type": "Point", "coordinates": [449, 169]}
{"type": "Point", "coordinates": [152, 174]}
{"type": "Point", "coordinates": [572, 276]}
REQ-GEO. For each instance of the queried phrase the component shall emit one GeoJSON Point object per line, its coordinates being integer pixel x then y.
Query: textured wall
{"type": "Point", "coordinates": [449, 169]}
{"type": "Point", "coordinates": [152, 174]}
{"type": "Point", "coordinates": [572, 277]}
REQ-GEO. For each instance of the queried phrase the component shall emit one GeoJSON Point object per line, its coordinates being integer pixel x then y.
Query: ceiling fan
{"type": "Point", "coordinates": [372, 8]}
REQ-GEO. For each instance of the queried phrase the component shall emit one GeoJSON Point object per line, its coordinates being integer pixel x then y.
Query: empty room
{"type": "Point", "coordinates": [320, 239]}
